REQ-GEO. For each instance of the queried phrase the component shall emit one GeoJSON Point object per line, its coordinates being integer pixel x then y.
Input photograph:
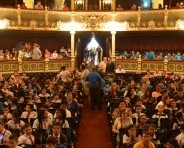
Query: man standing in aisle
{"type": "Point", "coordinates": [95, 81]}
{"type": "Point", "coordinates": [103, 65]}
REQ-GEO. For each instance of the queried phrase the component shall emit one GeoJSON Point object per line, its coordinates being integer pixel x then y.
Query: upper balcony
{"type": "Point", "coordinates": [84, 19]}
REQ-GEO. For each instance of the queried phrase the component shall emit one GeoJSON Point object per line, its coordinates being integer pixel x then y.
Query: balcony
{"type": "Point", "coordinates": [49, 20]}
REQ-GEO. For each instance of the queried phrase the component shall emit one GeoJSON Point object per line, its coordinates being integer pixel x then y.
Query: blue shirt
{"type": "Point", "coordinates": [94, 79]}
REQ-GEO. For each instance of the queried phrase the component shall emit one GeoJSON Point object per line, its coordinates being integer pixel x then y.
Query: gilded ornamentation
{"type": "Point", "coordinates": [151, 24]}
{"type": "Point", "coordinates": [93, 21]}
{"type": "Point", "coordinates": [33, 24]}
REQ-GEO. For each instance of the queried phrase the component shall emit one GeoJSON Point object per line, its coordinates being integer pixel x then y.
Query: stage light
{"type": "Point", "coordinates": [4, 23]}
{"type": "Point", "coordinates": [146, 4]}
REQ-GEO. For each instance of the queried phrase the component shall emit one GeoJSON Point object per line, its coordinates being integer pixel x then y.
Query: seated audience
{"type": "Point", "coordinates": [4, 134]}
{"type": "Point", "coordinates": [57, 132]}
{"type": "Point", "coordinates": [27, 137]}
{"type": "Point", "coordinates": [132, 136]}
{"type": "Point", "coordinates": [145, 141]}
{"type": "Point", "coordinates": [180, 137]}
{"type": "Point", "coordinates": [13, 142]}
{"type": "Point", "coordinates": [38, 5]}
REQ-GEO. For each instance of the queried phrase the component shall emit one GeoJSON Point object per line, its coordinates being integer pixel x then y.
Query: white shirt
{"type": "Point", "coordinates": [24, 139]}
{"type": "Point", "coordinates": [13, 126]}
{"type": "Point", "coordinates": [5, 136]}
{"type": "Point", "coordinates": [119, 71]}
{"type": "Point", "coordinates": [68, 114]}
{"type": "Point", "coordinates": [32, 114]}
{"type": "Point", "coordinates": [180, 139]}
{"type": "Point", "coordinates": [46, 124]}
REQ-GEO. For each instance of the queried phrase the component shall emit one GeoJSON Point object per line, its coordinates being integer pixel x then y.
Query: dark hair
{"type": "Point", "coordinates": [152, 125]}
{"type": "Point", "coordinates": [31, 106]}
{"type": "Point", "coordinates": [13, 137]}
{"type": "Point", "coordinates": [131, 126]}
{"type": "Point", "coordinates": [174, 142]}
{"type": "Point", "coordinates": [16, 114]}
{"type": "Point", "coordinates": [179, 115]}
{"type": "Point", "coordinates": [63, 114]}
{"type": "Point", "coordinates": [25, 126]}
{"type": "Point", "coordinates": [145, 133]}
{"type": "Point", "coordinates": [51, 140]}
{"type": "Point", "coordinates": [182, 127]}
{"type": "Point", "coordinates": [138, 106]}
{"type": "Point", "coordinates": [56, 124]}
{"type": "Point", "coordinates": [83, 66]}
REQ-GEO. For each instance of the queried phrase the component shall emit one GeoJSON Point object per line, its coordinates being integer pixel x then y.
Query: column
{"type": "Point", "coordinates": [72, 49]}
{"type": "Point", "coordinates": [113, 5]}
{"type": "Point", "coordinates": [113, 33]}
{"type": "Point", "coordinates": [72, 5]}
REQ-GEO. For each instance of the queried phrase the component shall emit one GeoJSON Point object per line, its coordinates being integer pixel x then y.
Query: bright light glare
{"type": "Point", "coordinates": [71, 26]}
{"type": "Point", "coordinates": [180, 24]}
{"type": "Point", "coordinates": [116, 26]}
{"type": "Point", "coordinates": [92, 44]}
{"type": "Point", "coordinates": [145, 4]}
{"type": "Point", "coordinates": [4, 23]}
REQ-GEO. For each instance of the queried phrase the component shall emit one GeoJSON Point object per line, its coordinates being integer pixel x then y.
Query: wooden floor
{"type": "Point", "coordinates": [94, 130]}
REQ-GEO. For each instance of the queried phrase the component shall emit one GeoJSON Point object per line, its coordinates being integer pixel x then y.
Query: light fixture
{"type": "Point", "coordinates": [70, 26]}
{"type": "Point", "coordinates": [180, 24]}
{"type": "Point", "coordinates": [107, 2]}
{"type": "Point", "coordinates": [4, 23]}
{"type": "Point", "coordinates": [117, 26]}
{"type": "Point", "coordinates": [79, 2]}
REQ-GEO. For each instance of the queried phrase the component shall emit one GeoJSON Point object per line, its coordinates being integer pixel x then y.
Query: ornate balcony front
{"type": "Point", "coordinates": [47, 20]}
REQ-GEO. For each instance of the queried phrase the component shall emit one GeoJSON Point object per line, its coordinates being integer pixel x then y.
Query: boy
{"type": "Point", "coordinates": [27, 137]}
{"type": "Point", "coordinates": [13, 142]}
{"type": "Point", "coordinates": [56, 132]}
{"type": "Point", "coordinates": [180, 137]}
{"type": "Point", "coordinates": [4, 134]}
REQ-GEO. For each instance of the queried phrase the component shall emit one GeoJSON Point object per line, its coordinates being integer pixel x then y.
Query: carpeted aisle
{"type": "Point", "coordinates": [94, 130]}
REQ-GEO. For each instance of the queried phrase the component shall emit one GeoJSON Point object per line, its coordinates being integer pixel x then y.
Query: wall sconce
{"type": "Point", "coordinates": [4, 23]}
{"type": "Point", "coordinates": [180, 24]}
{"type": "Point", "coordinates": [107, 4]}
{"type": "Point", "coordinates": [79, 4]}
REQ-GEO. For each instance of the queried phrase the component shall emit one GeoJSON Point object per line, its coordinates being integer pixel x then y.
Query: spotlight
{"type": "Point", "coordinates": [146, 4]}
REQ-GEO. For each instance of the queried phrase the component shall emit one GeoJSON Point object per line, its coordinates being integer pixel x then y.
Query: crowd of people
{"type": "Point", "coordinates": [30, 50]}
{"type": "Point", "coordinates": [124, 5]}
{"type": "Point", "coordinates": [145, 110]}
{"type": "Point", "coordinates": [150, 55]}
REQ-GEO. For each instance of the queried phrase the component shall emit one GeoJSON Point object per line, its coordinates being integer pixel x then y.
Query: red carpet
{"type": "Point", "coordinates": [94, 131]}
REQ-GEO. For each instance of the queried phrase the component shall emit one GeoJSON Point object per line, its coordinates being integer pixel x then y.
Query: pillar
{"type": "Point", "coordinates": [113, 33]}
{"type": "Point", "coordinates": [72, 5]}
{"type": "Point", "coordinates": [113, 5]}
{"type": "Point", "coordinates": [72, 49]}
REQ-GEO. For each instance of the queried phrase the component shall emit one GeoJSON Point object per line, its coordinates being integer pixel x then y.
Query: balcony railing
{"type": "Point", "coordinates": [46, 20]}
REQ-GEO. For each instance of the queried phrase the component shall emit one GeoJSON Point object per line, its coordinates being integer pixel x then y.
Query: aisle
{"type": "Point", "coordinates": [94, 130]}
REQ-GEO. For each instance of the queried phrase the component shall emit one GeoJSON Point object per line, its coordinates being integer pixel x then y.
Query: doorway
{"type": "Point", "coordinates": [92, 46]}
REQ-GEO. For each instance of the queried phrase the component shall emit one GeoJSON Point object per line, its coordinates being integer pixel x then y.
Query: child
{"type": "Point", "coordinates": [160, 114]}
{"type": "Point", "coordinates": [138, 113]}
{"type": "Point", "coordinates": [4, 134]}
{"type": "Point", "coordinates": [142, 123]}
{"type": "Point", "coordinates": [180, 137]}
{"type": "Point", "coordinates": [29, 113]}
{"type": "Point", "coordinates": [27, 137]}
{"type": "Point", "coordinates": [152, 131]}
{"type": "Point", "coordinates": [56, 132]}
{"type": "Point", "coordinates": [51, 142]}
{"type": "Point", "coordinates": [15, 123]}
{"type": "Point", "coordinates": [13, 142]}
{"type": "Point", "coordinates": [6, 115]}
